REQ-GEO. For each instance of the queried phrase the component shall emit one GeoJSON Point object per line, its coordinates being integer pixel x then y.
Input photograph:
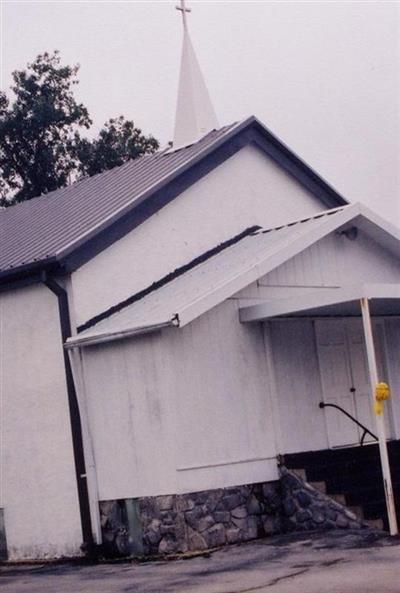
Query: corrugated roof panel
{"type": "Point", "coordinates": [41, 228]}
{"type": "Point", "coordinates": [166, 302]}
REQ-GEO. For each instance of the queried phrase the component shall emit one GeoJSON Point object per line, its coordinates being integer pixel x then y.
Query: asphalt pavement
{"type": "Point", "coordinates": [333, 562]}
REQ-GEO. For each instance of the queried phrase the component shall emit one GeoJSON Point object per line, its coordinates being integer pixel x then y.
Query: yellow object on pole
{"type": "Point", "coordinates": [380, 422]}
{"type": "Point", "coordinates": [382, 392]}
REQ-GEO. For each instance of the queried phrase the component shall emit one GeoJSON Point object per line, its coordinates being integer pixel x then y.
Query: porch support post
{"type": "Point", "coordinates": [380, 422]}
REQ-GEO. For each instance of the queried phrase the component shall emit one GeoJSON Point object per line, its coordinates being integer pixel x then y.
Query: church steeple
{"type": "Point", "coordinates": [195, 115]}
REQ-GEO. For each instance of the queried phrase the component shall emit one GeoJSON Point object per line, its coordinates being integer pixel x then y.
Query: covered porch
{"type": "Point", "coordinates": [349, 326]}
{"type": "Point", "coordinates": [342, 342]}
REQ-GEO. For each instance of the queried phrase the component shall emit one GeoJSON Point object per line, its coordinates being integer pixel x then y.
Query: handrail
{"type": "Point", "coordinates": [365, 429]}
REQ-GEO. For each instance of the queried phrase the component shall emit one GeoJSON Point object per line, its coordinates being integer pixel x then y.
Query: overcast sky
{"type": "Point", "coordinates": [323, 76]}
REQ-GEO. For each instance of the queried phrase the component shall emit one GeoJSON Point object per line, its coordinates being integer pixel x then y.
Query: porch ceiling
{"type": "Point", "coordinates": [333, 302]}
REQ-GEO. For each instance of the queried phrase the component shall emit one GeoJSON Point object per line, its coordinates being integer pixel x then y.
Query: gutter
{"type": "Point", "coordinates": [76, 426]}
{"type": "Point", "coordinates": [29, 273]}
{"type": "Point", "coordinates": [102, 338]}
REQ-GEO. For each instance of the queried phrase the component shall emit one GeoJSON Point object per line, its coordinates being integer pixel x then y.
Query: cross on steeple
{"type": "Point", "coordinates": [195, 115]}
{"type": "Point", "coordinates": [183, 10]}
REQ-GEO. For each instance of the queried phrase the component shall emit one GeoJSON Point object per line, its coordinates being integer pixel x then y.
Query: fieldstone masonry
{"type": "Point", "coordinates": [114, 528]}
{"type": "Point", "coordinates": [304, 508]}
{"type": "Point", "coordinates": [201, 520]}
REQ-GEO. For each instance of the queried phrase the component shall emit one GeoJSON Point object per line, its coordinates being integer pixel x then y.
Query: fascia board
{"type": "Point", "coordinates": [299, 303]}
{"type": "Point", "coordinates": [380, 222]}
{"type": "Point", "coordinates": [317, 299]}
{"type": "Point", "coordinates": [380, 230]}
{"type": "Point", "coordinates": [83, 341]}
{"type": "Point", "coordinates": [382, 291]}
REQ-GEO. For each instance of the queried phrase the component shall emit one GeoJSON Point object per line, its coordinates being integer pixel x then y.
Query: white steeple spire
{"type": "Point", "coordinates": [195, 115]}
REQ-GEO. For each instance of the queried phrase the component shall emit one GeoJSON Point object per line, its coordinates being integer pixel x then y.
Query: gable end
{"type": "Point", "coordinates": [201, 158]}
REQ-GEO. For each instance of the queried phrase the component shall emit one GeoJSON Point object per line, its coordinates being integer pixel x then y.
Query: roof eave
{"type": "Point", "coordinates": [28, 273]}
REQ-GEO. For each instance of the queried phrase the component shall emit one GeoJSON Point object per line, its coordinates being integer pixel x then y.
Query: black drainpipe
{"type": "Point", "coordinates": [76, 427]}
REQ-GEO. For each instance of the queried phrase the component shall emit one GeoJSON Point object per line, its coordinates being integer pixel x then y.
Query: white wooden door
{"type": "Point", "coordinates": [345, 378]}
{"type": "Point", "coordinates": [360, 375]}
{"type": "Point", "coordinates": [336, 381]}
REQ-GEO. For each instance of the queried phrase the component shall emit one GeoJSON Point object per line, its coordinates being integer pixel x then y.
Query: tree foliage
{"type": "Point", "coordinates": [41, 146]}
{"type": "Point", "coordinates": [38, 129]}
{"type": "Point", "coordinates": [118, 142]}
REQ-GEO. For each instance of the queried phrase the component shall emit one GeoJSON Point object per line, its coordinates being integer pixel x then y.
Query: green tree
{"type": "Point", "coordinates": [118, 141]}
{"type": "Point", "coordinates": [41, 147]}
{"type": "Point", "coordinates": [38, 130]}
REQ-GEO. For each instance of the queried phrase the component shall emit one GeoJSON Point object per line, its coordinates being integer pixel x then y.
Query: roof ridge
{"type": "Point", "coordinates": [222, 129]}
{"type": "Point", "coordinates": [307, 218]}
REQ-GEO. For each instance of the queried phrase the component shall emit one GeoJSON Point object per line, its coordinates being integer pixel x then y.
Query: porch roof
{"type": "Point", "coordinates": [333, 302]}
{"type": "Point", "coordinates": [186, 293]}
{"type": "Point", "coordinates": [190, 294]}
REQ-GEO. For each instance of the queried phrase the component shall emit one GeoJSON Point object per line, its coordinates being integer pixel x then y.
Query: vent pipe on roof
{"type": "Point", "coordinates": [195, 115]}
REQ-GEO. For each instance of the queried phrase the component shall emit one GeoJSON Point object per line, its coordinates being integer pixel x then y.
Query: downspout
{"type": "Point", "coordinates": [75, 359]}
{"type": "Point", "coordinates": [76, 426]}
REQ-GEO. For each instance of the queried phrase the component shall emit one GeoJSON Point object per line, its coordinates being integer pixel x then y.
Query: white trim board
{"type": "Point", "coordinates": [318, 300]}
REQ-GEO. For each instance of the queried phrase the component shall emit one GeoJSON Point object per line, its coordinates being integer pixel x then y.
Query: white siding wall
{"type": "Point", "coordinates": [298, 387]}
{"type": "Point", "coordinates": [392, 333]}
{"type": "Point", "coordinates": [247, 189]}
{"type": "Point", "coordinates": [38, 491]}
{"type": "Point", "coordinates": [336, 261]}
{"type": "Point", "coordinates": [333, 261]}
{"type": "Point", "coordinates": [295, 377]}
{"type": "Point", "coordinates": [181, 411]}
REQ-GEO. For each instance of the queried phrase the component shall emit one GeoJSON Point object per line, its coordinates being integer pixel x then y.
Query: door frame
{"type": "Point", "coordinates": [383, 357]}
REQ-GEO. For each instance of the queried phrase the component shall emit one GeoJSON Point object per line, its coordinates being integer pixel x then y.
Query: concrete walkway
{"type": "Point", "coordinates": [338, 562]}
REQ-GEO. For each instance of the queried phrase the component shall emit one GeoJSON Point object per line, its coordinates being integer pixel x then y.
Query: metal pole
{"type": "Point", "coordinates": [380, 422]}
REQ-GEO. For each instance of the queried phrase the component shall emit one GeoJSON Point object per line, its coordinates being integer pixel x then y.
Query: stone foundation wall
{"type": "Point", "coordinates": [200, 520]}
{"type": "Point", "coordinates": [121, 528]}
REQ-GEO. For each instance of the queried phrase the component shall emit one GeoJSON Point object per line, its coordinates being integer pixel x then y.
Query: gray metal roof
{"type": "Point", "coordinates": [49, 225]}
{"type": "Point", "coordinates": [67, 227]}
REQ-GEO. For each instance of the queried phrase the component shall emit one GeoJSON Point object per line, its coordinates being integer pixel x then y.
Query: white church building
{"type": "Point", "coordinates": [168, 330]}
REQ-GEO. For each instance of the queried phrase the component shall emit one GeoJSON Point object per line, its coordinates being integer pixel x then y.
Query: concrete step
{"type": "Point", "coordinates": [354, 475]}
{"type": "Point", "coordinates": [340, 498]}
{"type": "Point", "coordinates": [357, 511]}
{"type": "Point", "coordinates": [374, 523]}
{"type": "Point", "coordinates": [320, 486]}
{"type": "Point", "coordinates": [301, 473]}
